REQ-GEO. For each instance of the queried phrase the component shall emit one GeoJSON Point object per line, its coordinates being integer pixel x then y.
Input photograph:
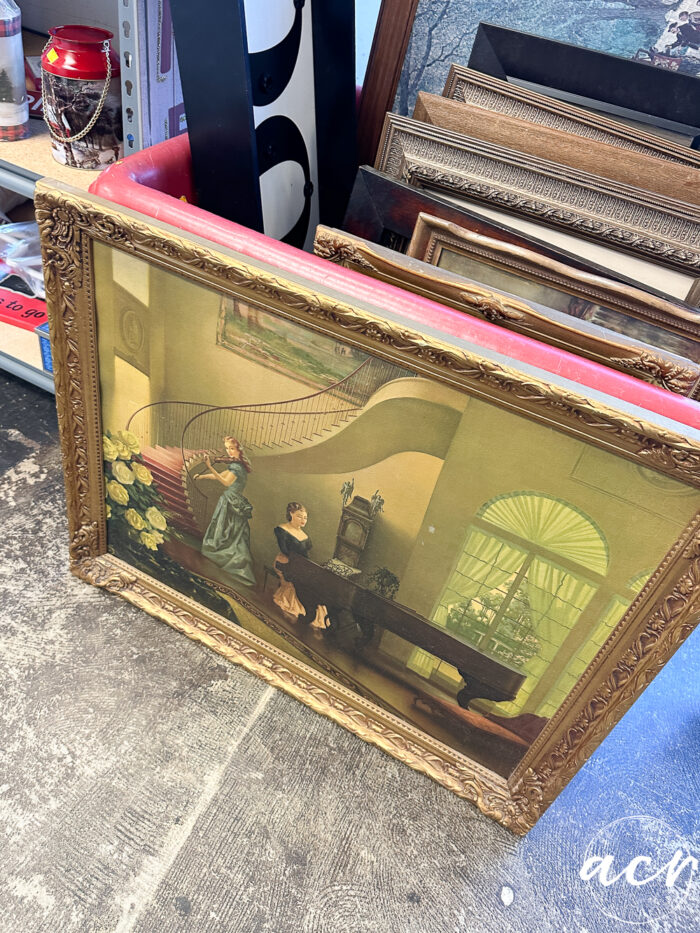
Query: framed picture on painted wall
{"type": "Point", "coordinates": [281, 478]}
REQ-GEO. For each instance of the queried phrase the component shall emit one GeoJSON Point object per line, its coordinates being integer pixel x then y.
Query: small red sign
{"type": "Point", "coordinates": [21, 310]}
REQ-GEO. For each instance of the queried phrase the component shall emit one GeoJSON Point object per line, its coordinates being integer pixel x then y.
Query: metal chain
{"type": "Point", "coordinates": [95, 117]}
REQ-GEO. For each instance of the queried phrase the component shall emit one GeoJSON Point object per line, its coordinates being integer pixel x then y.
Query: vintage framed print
{"type": "Point", "coordinates": [668, 325]}
{"type": "Point", "coordinates": [547, 313]}
{"type": "Point", "coordinates": [662, 100]}
{"type": "Point", "coordinates": [637, 169]}
{"type": "Point", "coordinates": [483, 90]}
{"type": "Point", "coordinates": [662, 232]}
{"type": "Point", "coordinates": [285, 484]}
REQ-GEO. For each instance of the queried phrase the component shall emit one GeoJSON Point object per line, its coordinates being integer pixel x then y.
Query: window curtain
{"type": "Point", "coordinates": [557, 598]}
{"type": "Point", "coordinates": [551, 524]}
{"type": "Point", "coordinates": [578, 664]}
{"type": "Point", "coordinates": [588, 650]}
{"type": "Point", "coordinates": [494, 566]}
{"type": "Point", "coordinates": [487, 563]}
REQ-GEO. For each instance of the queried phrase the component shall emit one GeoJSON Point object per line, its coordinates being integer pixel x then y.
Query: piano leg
{"type": "Point", "coordinates": [474, 689]}
{"type": "Point", "coordinates": [366, 632]}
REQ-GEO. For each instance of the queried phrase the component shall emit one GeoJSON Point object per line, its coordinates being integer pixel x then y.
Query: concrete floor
{"type": "Point", "coordinates": [146, 785]}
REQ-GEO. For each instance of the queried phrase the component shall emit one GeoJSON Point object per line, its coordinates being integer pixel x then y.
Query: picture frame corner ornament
{"type": "Point", "coordinates": [658, 371]}
{"type": "Point", "coordinates": [326, 246]}
{"type": "Point", "coordinates": [692, 548]}
{"type": "Point", "coordinates": [527, 802]}
{"type": "Point", "coordinates": [84, 543]}
{"type": "Point", "coordinates": [492, 308]}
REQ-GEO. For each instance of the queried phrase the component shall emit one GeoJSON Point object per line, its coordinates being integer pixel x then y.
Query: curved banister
{"type": "Point", "coordinates": [268, 424]}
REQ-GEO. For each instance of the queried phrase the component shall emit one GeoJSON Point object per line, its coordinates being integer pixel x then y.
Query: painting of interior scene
{"type": "Point", "coordinates": [455, 563]}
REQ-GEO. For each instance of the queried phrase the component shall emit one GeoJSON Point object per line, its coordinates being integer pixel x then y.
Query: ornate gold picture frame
{"type": "Point", "coordinates": [460, 287]}
{"type": "Point", "coordinates": [123, 507]}
{"type": "Point", "coordinates": [551, 201]}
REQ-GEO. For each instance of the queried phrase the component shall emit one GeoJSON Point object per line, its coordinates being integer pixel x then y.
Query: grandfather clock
{"type": "Point", "coordinates": [355, 525]}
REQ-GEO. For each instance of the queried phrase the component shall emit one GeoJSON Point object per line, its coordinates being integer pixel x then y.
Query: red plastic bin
{"type": "Point", "coordinates": [154, 181]}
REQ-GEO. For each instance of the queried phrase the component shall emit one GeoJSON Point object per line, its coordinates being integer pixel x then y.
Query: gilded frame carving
{"type": "Point", "coordinates": [616, 215]}
{"type": "Point", "coordinates": [661, 368]}
{"type": "Point", "coordinates": [663, 614]}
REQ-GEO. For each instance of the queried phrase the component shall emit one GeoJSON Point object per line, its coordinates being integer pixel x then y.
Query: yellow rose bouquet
{"type": "Point", "coordinates": [138, 523]}
{"type": "Point", "coordinates": [135, 509]}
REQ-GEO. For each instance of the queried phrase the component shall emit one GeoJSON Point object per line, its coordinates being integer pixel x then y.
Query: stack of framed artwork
{"type": "Point", "coordinates": [439, 481]}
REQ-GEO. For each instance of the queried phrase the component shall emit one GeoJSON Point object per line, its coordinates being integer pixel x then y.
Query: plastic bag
{"type": "Point", "coordinates": [21, 255]}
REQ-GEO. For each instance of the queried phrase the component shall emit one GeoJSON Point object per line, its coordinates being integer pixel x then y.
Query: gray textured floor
{"type": "Point", "coordinates": [146, 785]}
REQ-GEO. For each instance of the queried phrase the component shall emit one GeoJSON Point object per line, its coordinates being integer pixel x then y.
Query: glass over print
{"type": "Point", "coordinates": [558, 299]}
{"type": "Point", "coordinates": [455, 562]}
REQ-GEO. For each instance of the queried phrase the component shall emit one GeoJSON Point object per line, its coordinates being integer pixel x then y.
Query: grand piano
{"type": "Point", "coordinates": [355, 610]}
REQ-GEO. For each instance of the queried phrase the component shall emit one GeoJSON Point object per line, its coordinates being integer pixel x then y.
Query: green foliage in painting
{"type": "Point", "coordinates": [383, 582]}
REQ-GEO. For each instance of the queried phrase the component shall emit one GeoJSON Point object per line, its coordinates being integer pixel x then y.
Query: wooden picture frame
{"type": "Point", "coordinates": [636, 169]}
{"type": "Point", "coordinates": [97, 255]}
{"type": "Point", "coordinates": [622, 88]}
{"type": "Point", "coordinates": [660, 367]}
{"type": "Point", "coordinates": [662, 320]}
{"type": "Point", "coordinates": [385, 210]}
{"type": "Point", "coordinates": [483, 90]}
{"type": "Point", "coordinates": [391, 37]}
{"type": "Point", "coordinates": [534, 193]}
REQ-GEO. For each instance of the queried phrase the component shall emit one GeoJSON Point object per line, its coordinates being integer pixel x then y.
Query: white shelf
{"type": "Point", "coordinates": [24, 161]}
{"type": "Point", "coordinates": [29, 373]}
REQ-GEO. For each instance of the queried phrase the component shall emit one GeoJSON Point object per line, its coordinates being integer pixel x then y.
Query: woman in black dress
{"type": "Point", "coordinates": [291, 538]}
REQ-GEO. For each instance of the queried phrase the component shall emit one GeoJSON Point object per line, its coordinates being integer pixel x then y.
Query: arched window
{"type": "Point", "coordinates": [529, 566]}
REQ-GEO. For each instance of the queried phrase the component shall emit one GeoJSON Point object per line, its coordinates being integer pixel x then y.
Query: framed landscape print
{"type": "Point", "coordinates": [669, 325]}
{"type": "Point", "coordinates": [277, 469]}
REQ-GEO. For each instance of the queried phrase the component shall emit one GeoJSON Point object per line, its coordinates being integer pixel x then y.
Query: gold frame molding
{"type": "Point", "coordinates": [651, 226]}
{"type": "Point", "coordinates": [410, 271]}
{"type": "Point", "coordinates": [661, 617]}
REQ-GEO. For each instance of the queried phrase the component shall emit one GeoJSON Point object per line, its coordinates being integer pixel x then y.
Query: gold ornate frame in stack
{"type": "Point", "coordinates": [77, 231]}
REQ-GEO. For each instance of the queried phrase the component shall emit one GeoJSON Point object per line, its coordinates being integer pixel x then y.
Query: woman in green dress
{"type": "Point", "coordinates": [227, 539]}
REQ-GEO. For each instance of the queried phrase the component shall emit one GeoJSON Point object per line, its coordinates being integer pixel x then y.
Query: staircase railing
{"type": "Point", "coordinates": [197, 428]}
